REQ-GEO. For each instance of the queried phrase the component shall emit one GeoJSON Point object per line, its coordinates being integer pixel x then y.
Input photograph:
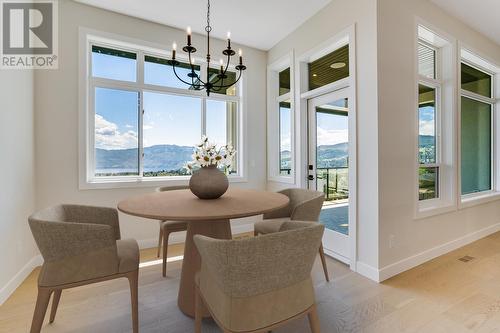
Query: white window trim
{"type": "Point", "coordinates": [477, 60]}
{"type": "Point", "coordinates": [273, 119]}
{"type": "Point", "coordinates": [445, 47]}
{"type": "Point", "coordinates": [302, 95]}
{"type": "Point", "coordinates": [86, 162]}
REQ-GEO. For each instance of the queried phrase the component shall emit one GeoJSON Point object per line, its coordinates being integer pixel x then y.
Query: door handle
{"type": "Point", "coordinates": [310, 177]}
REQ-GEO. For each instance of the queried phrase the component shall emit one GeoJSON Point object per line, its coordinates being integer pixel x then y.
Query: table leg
{"type": "Point", "coordinates": [191, 264]}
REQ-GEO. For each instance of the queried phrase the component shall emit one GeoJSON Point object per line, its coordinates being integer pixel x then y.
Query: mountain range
{"type": "Point", "coordinates": [173, 158]}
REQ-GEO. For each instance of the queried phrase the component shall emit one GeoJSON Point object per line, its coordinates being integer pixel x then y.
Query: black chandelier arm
{"type": "Point", "coordinates": [175, 72]}
{"type": "Point", "coordinates": [229, 85]}
{"type": "Point", "coordinates": [221, 76]}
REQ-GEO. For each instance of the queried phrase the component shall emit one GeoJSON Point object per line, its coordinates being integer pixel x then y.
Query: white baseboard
{"type": "Point", "coordinates": [368, 271]}
{"type": "Point", "coordinates": [422, 257]}
{"type": "Point", "coordinates": [16, 281]}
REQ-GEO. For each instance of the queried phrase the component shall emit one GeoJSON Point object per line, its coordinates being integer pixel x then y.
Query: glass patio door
{"type": "Point", "coordinates": [329, 167]}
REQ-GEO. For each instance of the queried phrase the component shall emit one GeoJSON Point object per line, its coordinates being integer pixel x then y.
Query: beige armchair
{"type": "Point", "coordinates": [258, 284]}
{"type": "Point", "coordinates": [167, 227]}
{"type": "Point", "coordinates": [81, 245]}
{"type": "Point", "coordinates": [305, 205]}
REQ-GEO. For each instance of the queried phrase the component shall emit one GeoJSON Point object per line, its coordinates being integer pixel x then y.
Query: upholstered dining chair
{"type": "Point", "coordinates": [304, 205]}
{"type": "Point", "coordinates": [258, 284]}
{"type": "Point", "coordinates": [167, 227]}
{"type": "Point", "coordinates": [81, 245]}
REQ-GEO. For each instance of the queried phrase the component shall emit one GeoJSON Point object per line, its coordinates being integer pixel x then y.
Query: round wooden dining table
{"type": "Point", "coordinates": [205, 217]}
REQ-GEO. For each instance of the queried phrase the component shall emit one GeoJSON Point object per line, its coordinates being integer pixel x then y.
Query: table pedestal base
{"type": "Point", "coordinates": [191, 264]}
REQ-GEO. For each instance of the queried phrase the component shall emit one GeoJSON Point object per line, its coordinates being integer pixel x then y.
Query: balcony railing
{"type": "Point", "coordinates": [334, 182]}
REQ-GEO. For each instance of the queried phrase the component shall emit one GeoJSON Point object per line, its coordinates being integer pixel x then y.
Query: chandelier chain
{"type": "Point", "coordinates": [208, 28]}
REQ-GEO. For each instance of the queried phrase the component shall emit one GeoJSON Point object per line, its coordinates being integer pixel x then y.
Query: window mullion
{"type": "Point", "coordinates": [203, 116]}
{"type": "Point", "coordinates": [141, 133]}
{"type": "Point", "coordinates": [477, 97]}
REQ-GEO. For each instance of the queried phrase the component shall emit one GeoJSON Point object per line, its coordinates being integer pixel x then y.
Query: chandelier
{"type": "Point", "coordinates": [211, 83]}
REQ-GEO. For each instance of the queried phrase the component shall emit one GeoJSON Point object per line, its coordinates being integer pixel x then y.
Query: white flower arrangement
{"type": "Point", "coordinates": [207, 154]}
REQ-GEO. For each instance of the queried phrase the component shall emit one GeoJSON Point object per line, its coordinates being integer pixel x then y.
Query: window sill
{"type": "Point", "coordinates": [436, 207]}
{"type": "Point", "coordinates": [113, 183]}
{"type": "Point", "coordinates": [479, 199]}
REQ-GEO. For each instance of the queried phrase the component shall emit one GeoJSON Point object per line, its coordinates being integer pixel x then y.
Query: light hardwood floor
{"type": "Point", "coordinates": [443, 295]}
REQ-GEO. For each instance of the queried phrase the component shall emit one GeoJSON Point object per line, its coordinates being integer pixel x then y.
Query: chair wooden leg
{"type": "Point", "coordinates": [55, 304]}
{"type": "Point", "coordinates": [323, 262]}
{"type": "Point", "coordinates": [42, 302]}
{"type": "Point", "coordinates": [133, 278]}
{"type": "Point", "coordinates": [198, 311]}
{"type": "Point", "coordinates": [160, 237]}
{"type": "Point", "coordinates": [165, 251]}
{"type": "Point", "coordinates": [314, 320]}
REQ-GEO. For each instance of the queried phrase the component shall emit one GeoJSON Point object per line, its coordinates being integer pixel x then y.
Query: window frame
{"type": "Point", "coordinates": [445, 118]}
{"type": "Point", "coordinates": [436, 84]}
{"type": "Point", "coordinates": [88, 84]}
{"type": "Point", "coordinates": [470, 199]}
{"type": "Point", "coordinates": [273, 116]}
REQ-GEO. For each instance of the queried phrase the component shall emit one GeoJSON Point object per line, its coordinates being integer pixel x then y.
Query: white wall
{"type": "Point", "coordinates": [17, 197]}
{"type": "Point", "coordinates": [331, 20]}
{"type": "Point", "coordinates": [423, 238]}
{"type": "Point", "coordinates": [57, 112]}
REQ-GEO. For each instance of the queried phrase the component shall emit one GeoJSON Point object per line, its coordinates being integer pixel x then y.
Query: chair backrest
{"type": "Point", "coordinates": [172, 188]}
{"type": "Point", "coordinates": [304, 205]}
{"type": "Point", "coordinates": [69, 230]}
{"type": "Point", "coordinates": [253, 266]}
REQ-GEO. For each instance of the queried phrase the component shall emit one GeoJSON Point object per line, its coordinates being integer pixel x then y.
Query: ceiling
{"type": "Point", "coordinates": [482, 15]}
{"type": "Point", "coordinates": [256, 23]}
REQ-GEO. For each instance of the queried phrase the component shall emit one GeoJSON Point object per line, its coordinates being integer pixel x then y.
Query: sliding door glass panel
{"type": "Point", "coordinates": [172, 128]}
{"type": "Point", "coordinates": [114, 64]}
{"type": "Point", "coordinates": [476, 146]}
{"type": "Point", "coordinates": [329, 68]}
{"type": "Point", "coordinates": [285, 148]}
{"type": "Point", "coordinates": [159, 71]}
{"type": "Point", "coordinates": [332, 163]}
{"type": "Point", "coordinates": [116, 129]}
{"type": "Point", "coordinates": [476, 81]}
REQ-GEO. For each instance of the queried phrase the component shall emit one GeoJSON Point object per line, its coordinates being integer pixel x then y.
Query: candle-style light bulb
{"type": "Point", "coordinates": [221, 65]}
{"type": "Point", "coordinates": [229, 40]}
{"type": "Point", "coordinates": [174, 48]}
{"type": "Point", "coordinates": [240, 53]}
{"type": "Point", "coordinates": [189, 35]}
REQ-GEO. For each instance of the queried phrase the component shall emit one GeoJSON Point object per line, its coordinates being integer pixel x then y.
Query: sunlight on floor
{"type": "Point", "coordinates": [159, 261]}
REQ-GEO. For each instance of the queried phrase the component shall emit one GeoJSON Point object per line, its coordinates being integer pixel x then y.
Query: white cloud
{"type": "Point", "coordinates": [331, 137]}
{"type": "Point", "coordinates": [107, 135]}
{"type": "Point", "coordinates": [286, 144]}
{"type": "Point", "coordinates": [426, 127]}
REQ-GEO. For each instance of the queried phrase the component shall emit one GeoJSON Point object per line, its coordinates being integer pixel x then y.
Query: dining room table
{"type": "Point", "coordinates": [209, 218]}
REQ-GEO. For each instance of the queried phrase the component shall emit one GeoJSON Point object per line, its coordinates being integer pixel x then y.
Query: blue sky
{"type": "Point", "coordinates": [168, 119]}
{"type": "Point", "coordinates": [426, 121]}
{"type": "Point", "coordinates": [332, 129]}
{"type": "Point", "coordinates": [285, 135]}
